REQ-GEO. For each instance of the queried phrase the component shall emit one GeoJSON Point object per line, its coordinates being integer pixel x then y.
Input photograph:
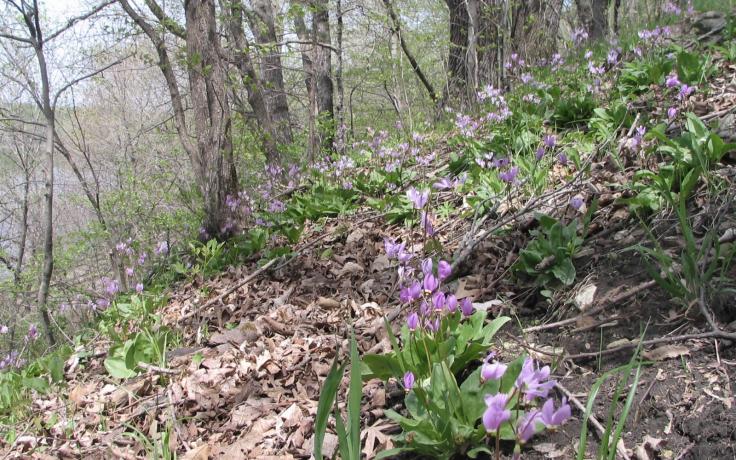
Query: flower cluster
{"type": "Point", "coordinates": [425, 290]}
{"type": "Point", "coordinates": [532, 384]}
{"type": "Point", "coordinates": [655, 36]}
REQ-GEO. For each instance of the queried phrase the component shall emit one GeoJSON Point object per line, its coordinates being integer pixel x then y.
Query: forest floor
{"type": "Point", "coordinates": [258, 342]}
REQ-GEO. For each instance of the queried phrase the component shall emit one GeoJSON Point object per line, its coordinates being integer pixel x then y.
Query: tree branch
{"type": "Point", "coordinates": [169, 24]}
{"type": "Point", "coordinates": [70, 23]}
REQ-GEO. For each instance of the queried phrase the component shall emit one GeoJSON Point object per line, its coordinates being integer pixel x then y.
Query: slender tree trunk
{"type": "Point", "coordinates": [48, 226]}
{"type": "Point", "coordinates": [490, 42]}
{"type": "Point", "coordinates": [599, 28]}
{"type": "Point", "coordinates": [264, 30]}
{"type": "Point", "coordinates": [616, 11]}
{"type": "Point", "coordinates": [456, 69]}
{"type": "Point", "coordinates": [211, 114]}
{"type": "Point", "coordinates": [18, 270]}
{"type": "Point", "coordinates": [340, 108]}
{"type": "Point", "coordinates": [323, 66]}
{"type": "Point", "coordinates": [396, 26]}
{"type": "Point", "coordinates": [240, 49]}
{"type": "Point", "coordinates": [305, 35]}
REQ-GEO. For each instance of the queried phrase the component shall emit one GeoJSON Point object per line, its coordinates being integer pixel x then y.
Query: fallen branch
{"type": "Point", "coordinates": [620, 447]}
{"type": "Point", "coordinates": [156, 369]}
{"type": "Point", "coordinates": [603, 305]}
{"type": "Point", "coordinates": [635, 343]}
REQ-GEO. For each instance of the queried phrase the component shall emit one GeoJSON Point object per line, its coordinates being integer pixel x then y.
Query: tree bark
{"type": "Point", "coordinates": [456, 68]}
{"type": "Point", "coordinates": [262, 24]}
{"type": "Point", "coordinates": [211, 113]}
{"type": "Point", "coordinates": [305, 37]}
{"type": "Point", "coordinates": [341, 132]}
{"type": "Point", "coordinates": [323, 66]}
{"type": "Point", "coordinates": [240, 50]}
{"type": "Point", "coordinates": [490, 44]}
{"type": "Point", "coordinates": [599, 29]}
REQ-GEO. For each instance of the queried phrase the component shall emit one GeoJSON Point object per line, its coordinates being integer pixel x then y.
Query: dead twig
{"type": "Point", "coordinates": [606, 302]}
{"type": "Point", "coordinates": [156, 369]}
{"type": "Point", "coordinates": [635, 343]}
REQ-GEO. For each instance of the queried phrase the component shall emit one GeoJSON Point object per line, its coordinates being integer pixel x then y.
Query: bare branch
{"type": "Point", "coordinates": [169, 24]}
{"type": "Point", "coordinates": [84, 77]}
{"type": "Point", "coordinates": [70, 23]}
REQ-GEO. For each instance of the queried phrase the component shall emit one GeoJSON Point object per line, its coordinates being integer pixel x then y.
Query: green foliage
{"type": "Point", "coordinates": [348, 431]}
{"type": "Point", "coordinates": [614, 428]}
{"type": "Point", "coordinates": [18, 385]}
{"type": "Point", "coordinates": [548, 257]}
{"type": "Point", "coordinates": [137, 336]}
{"type": "Point", "coordinates": [637, 76]}
{"type": "Point", "coordinates": [457, 343]}
{"type": "Point", "coordinates": [443, 417]}
{"type": "Point", "coordinates": [606, 122]}
{"type": "Point", "coordinates": [571, 109]}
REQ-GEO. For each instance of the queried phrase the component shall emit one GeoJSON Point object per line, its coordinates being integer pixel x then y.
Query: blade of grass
{"type": "Point", "coordinates": [355, 394]}
{"type": "Point", "coordinates": [326, 398]}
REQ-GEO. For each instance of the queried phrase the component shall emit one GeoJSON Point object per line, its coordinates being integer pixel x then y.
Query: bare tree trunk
{"type": "Point", "coordinates": [534, 35]}
{"type": "Point", "coordinates": [340, 108]}
{"type": "Point", "coordinates": [456, 69]}
{"type": "Point", "coordinates": [18, 270]}
{"type": "Point", "coordinates": [253, 85]}
{"type": "Point", "coordinates": [490, 44]}
{"type": "Point", "coordinates": [261, 21]}
{"type": "Point", "coordinates": [211, 113]}
{"type": "Point", "coordinates": [616, 11]}
{"type": "Point", "coordinates": [305, 36]}
{"type": "Point", "coordinates": [323, 65]}
{"type": "Point", "coordinates": [48, 219]}
{"type": "Point", "coordinates": [593, 16]}
{"type": "Point", "coordinates": [599, 28]}
{"type": "Point", "coordinates": [396, 26]}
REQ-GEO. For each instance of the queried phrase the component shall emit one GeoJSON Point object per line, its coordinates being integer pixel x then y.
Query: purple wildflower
{"type": "Point", "coordinates": [492, 371]}
{"type": "Point", "coordinates": [417, 198]}
{"type": "Point", "coordinates": [672, 113]}
{"type": "Point", "coordinates": [562, 158]}
{"type": "Point", "coordinates": [4, 329]}
{"type": "Point", "coordinates": [509, 176]}
{"type": "Point", "coordinates": [444, 269]}
{"type": "Point", "coordinates": [527, 425]}
{"type": "Point", "coordinates": [496, 412]}
{"type": "Point", "coordinates": [466, 306]}
{"type": "Point", "coordinates": [551, 417]}
{"type": "Point", "coordinates": [451, 303]}
{"type": "Point", "coordinates": [129, 271]}
{"type": "Point", "coordinates": [550, 141]}
{"type": "Point", "coordinates": [672, 81]}
{"type": "Point", "coordinates": [425, 222]}
{"type": "Point", "coordinates": [412, 321]}
{"type": "Point", "coordinates": [408, 381]}
{"type": "Point", "coordinates": [139, 288]}
{"type": "Point", "coordinates": [534, 382]}
{"type": "Point", "coordinates": [539, 153]}
{"type": "Point", "coordinates": [438, 300]}
{"type": "Point", "coordinates": [430, 283]}
{"type": "Point", "coordinates": [32, 332]}
{"type": "Point", "coordinates": [424, 308]}
{"type": "Point", "coordinates": [576, 202]}
{"type": "Point", "coordinates": [162, 248]}
{"type": "Point", "coordinates": [427, 266]}
{"type": "Point", "coordinates": [685, 91]}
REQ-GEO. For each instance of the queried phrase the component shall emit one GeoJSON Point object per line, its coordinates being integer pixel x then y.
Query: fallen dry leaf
{"type": "Point", "coordinates": [666, 352]}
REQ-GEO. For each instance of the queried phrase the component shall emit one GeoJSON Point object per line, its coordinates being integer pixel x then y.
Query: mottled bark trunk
{"type": "Point", "coordinates": [535, 27]}
{"type": "Point", "coordinates": [47, 267]}
{"type": "Point", "coordinates": [593, 17]}
{"type": "Point", "coordinates": [322, 60]}
{"type": "Point", "coordinates": [305, 37]}
{"type": "Point", "coordinates": [490, 42]}
{"type": "Point", "coordinates": [456, 68]}
{"type": "Point", "coordinates": [211, 114]}
{"type": "Point", "coordinates": [240, 49]}
{"type": "Point", "coordinates": [341, 132]}
{"type": "Point", "coordinates": [262, 24]}
{"type": "Point", "coordinates": [599, 26]}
